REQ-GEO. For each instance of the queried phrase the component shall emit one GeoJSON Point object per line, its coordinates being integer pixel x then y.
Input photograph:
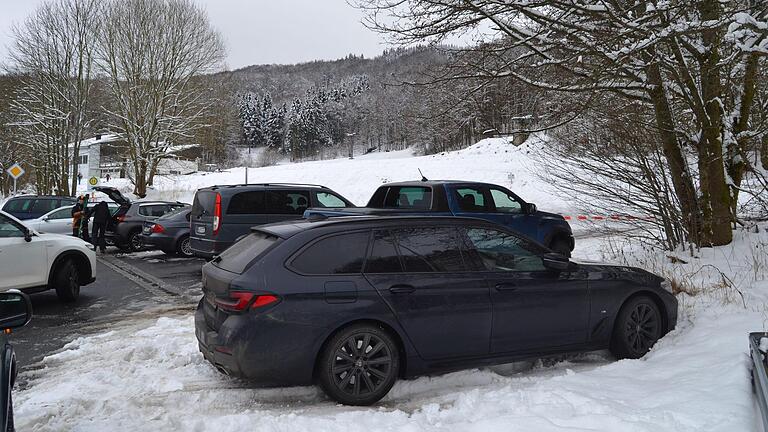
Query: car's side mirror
{"type": "Point", "coordinates": [555, 261]}
{"type": "Point", "coordinates": [529, 208]}
{"type": "Point", "coordinates": [15, 310]}
{"type": "Point", "coordinates": [44, 218]}
{"type": "Point", "coordinates": [27, 235]}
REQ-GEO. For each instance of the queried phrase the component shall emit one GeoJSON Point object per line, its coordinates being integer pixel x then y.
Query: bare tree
{"type": "Point", "coordinates": [153, 51]}
{"type": "Point", "coordinates": [695, 64]}
{"type": "Point", "coordinates": [53, 56]}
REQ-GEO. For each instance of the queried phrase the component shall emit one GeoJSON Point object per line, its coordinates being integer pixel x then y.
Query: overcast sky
{"type": "Point", "coordinates": [261, 31]}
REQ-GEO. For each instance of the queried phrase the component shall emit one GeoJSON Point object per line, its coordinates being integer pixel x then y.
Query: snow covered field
{"type": "Point", "coordinates": [148, 375]}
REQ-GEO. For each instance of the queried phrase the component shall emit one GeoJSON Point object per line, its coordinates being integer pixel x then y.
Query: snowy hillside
{"type": "Point", "coordinates": [492, 160]}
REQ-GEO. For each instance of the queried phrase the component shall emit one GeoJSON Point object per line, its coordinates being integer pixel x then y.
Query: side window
{"type": "Point", "coordinates": [245, 203]}
{"type": "Point", "coordinates": [43, 205]}
{"type": "Point", "coordinates": [471, 199]}
{"type": "Point", "coordinates": [499, 251]}
{"type": "Point", "coordinates": [430, 250]}
{"type": "Point", "coordinates": [339, 254]}
{"type": "Point", "coordinates": [409, 197]}
{"type": "Point", "coordinates": [286, 202]}
{"type": "Point", "coordinates": [8, 228]}
{"type": "Point", "coordinates": [329, 200]}
{"type": "Point", "coordinates": [383, 257]}
{"type": "Point", "coordinates": [65, 213]}
{"type": "Point", "coordinates": [156, 210]}
{"type": "Point", "coordinates": [505, 203]}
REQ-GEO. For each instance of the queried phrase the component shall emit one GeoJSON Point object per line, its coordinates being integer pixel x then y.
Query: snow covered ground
{"type": "Point", "coordinates": [148, 375]}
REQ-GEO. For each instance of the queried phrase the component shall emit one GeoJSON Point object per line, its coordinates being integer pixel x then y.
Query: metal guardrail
{"type": "Point", "coordinates": [759, 374]}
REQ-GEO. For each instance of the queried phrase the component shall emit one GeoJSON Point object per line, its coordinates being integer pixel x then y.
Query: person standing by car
{"type": "Point", "coordinates": [100, 217]}
{"type": "Point", "coordinates": [77, 214]}
{"type": "Point", "coordinates": [86, 216]}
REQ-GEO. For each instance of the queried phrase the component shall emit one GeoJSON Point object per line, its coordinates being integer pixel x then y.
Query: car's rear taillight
{"type": "Point", "coordinates": [120, 218]}
{"type": "Point", "coordinates": [217, 214]}
{"type": "Point", "coordinates": [157, 229]}
{"type": "Point", "coordinates": [239, 301]}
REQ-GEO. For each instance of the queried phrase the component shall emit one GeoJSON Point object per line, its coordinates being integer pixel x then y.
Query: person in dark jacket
{"type": "Point", "coordinates": [100, 216]}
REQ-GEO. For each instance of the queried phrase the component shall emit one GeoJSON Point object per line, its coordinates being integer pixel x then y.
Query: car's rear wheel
{"type": "Point", "coordinates": [67, 281]}
{"type": "Point", "coordinates": [359, 365]}
{"type": "Point", "coordinates": [184, 247]}
{"type": "Point", "coordinates": [134, 241]}
{"type": "Point", "coordinates": [638, 327]}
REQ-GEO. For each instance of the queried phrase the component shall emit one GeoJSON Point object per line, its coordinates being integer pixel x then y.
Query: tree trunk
{"type": "Point", "coordinates": [715, 191]}
{"type": "Point", "coordinates": [678, 168]}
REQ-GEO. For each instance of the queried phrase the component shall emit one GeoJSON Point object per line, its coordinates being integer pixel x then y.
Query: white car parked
{"type": "Point", "coordinates": [33, 262]}
{"type": "Point", "coordinates": [59, 221]}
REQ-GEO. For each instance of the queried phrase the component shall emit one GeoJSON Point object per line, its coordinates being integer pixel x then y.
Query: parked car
{"type": "Point", "coordinates": [35, 262]}
{"type": "Point", "coordinates": [470, 199]}
{"type": "Point", "coordinates": [124, 229]}
{"type": "Point", "coordinates": [169, 233]}
{"type": "Point", "coordinates": [223, 214]}
{"type": "Point", "coordinates": [15, 312]}
{"type": "Point", "coordinates": [34, 206]}
{"type": "Point", "coordinates": [355, 303]}
{"type": "Point", "coordinates": [59, 221]}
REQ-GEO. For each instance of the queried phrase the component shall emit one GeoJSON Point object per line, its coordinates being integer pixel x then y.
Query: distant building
{"type": "Point", "coordinates": [108, 154]}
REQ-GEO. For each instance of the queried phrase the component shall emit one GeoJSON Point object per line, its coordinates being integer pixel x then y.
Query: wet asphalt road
{"type": "Point", "coordinates": [127, 287]}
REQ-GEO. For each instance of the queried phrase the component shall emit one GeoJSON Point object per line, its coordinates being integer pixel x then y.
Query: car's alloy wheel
{"type": "Point", "coordinates": [359, 365]}
{"type": "Point", "coordinates": [67, 280]}
{"type": "Point", "coordinates": [185, 247]}
{"type": "Point", "coordinates": [638, 328]}
{"type": "Point", "coordinates": [134, 242]}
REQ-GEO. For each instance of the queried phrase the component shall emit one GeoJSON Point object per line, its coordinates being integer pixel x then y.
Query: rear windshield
{"type": "Point", "coordinates": [238, 256]}
{"type": "Point", "coordinates": [409, 197]}
{"type": "Point", "coordinates": [204, 202]}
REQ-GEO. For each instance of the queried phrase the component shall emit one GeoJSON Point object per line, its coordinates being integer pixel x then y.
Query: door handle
{"type": "Point", "coordinates": [506, 287]}
{"type": "Point", "coordinates": [402, 289]}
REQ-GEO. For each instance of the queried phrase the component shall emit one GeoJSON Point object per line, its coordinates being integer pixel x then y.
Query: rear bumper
{"type": "Point", "coordinates": [207, 249]}
{"type": "Point", "coordinates": [259, 348]}
{"type": "Point", "coordinates": [158, 241]}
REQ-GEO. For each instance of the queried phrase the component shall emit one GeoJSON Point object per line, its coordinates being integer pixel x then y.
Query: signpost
{"type": "Point", "coordinates": [93, 181]}
{"type": "Point", "coordinates": [15, 171]}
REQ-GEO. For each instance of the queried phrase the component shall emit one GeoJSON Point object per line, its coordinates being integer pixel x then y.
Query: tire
{"type": "Point", "coordinates": [638, 327]}
{"type": "Point", "coordinates": [184, 247]}
{"type": "Point", "coordinates": [561, 246]}
{"type": "Point", "coordinates": [133, 242]}
{"type": "Point", "coordinates": [359, 365]}
{"type": "Point", "coordinates": [10, 426]}
{"type": "Point", "coordinates": [66, 280]}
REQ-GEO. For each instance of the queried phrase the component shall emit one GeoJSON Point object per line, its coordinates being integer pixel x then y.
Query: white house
{"type": "Point", "coordinates": [107, 154]}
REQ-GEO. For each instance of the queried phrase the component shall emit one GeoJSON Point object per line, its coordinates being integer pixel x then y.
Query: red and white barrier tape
{"type": "Point", "coordinates": [621, 218]}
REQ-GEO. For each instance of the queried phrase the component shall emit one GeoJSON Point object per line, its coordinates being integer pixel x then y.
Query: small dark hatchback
{"type": "Point", "coordinates": [355, 303]}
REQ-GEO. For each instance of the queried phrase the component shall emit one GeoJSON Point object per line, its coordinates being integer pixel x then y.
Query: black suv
{"type": "Point", "coordinates": [353, 303]}
{"type": "Point", "coordinates": [124, 229]}
{"type": "Point", "coordinates": [34, 206]}
{"type": "Point", "coordinates": [222, 214]}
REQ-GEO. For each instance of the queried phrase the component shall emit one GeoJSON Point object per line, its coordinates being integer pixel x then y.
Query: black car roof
{"type": "Point", "coordinates": [291, 228]}
{"type": "Point", "coordinates": [18, 197]}
{"type": "Point", "coordinates": [263, 186]}
{"type": "Point", "coordinates": [433, 183]}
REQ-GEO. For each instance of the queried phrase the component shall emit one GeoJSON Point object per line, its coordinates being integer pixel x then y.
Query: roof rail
{"type": "Point", "coordinates": [266, 184]}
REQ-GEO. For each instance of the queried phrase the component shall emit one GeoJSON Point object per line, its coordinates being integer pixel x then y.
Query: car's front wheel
{"type": "Point", "coordinates": [67, 281]}
{"type": "Point", "coordinates": [359, 365]}
{"type": "Point", "coordinates": [638, 327]}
